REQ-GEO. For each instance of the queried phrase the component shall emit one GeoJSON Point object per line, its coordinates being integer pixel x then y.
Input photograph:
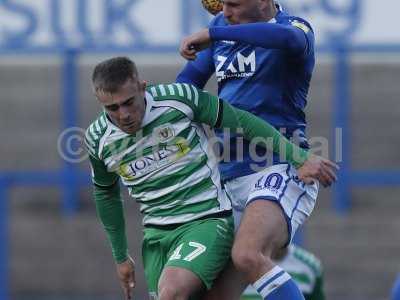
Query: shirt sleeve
{"type": "Point", "coordinates": [318, 291]}
{"type": "Point", "coordinates": [100, 175]}
{"type": "Point", "coordinates": [207, 109]}
{"type": "Point", "coordinates": [296, 37]}
{"type": "Point", "coordinates": [109, 208]}
{"type": "Point", "coordinates": [220, 114]}
{"type": "Point", "coordinates": [198, 71]}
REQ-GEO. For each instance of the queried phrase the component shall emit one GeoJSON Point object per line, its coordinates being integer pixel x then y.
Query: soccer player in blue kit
{"type": "Point", "coordinates": [263, 60]}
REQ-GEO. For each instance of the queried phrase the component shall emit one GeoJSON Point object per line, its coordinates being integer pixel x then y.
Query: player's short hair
{"type": "Point", "coordinates": [109, 75]}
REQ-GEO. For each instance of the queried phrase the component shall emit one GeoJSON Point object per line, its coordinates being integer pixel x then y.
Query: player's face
{"type": "Point", "coordinates": [126, 107]}
{"type": "Point", "coordinates": [242, 11]}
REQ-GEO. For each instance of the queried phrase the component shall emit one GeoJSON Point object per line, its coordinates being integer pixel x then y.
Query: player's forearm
{"type": "Point", "coordinates": [198, 71]}
{"type": "Point", "coordinates": [190, 74]}
{"type": "Point", "coordinates": [109, 209]}
{"type": "Point", "coordinates": [318, 292]}
{"type": "Point", "coordinates": [265, 35]}
{"type": "Point", "coordinates": [254, 127]}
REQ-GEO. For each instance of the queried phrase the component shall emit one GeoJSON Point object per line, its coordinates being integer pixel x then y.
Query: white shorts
{"type": "Point", "coordinates": [280, 184]}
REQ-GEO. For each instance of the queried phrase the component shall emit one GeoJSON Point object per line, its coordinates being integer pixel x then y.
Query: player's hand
{"type": "Point", "coordinates": [126, 275]}
{"type": "Point", "coordinates": [194, 43]}
{"type": "Point", "coordinates": [318, 168]}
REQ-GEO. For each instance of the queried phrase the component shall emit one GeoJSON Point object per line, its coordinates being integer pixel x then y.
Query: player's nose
{"type": "Point", "coordinates": [124, 114]}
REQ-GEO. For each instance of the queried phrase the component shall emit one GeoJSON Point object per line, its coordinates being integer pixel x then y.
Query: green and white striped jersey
{"type": "Point", "coordinates": [306, 271]}
{"type": "Point", "coordinates": [168, 165]}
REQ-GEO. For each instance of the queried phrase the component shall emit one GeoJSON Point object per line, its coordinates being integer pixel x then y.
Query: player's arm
{"type": "Point", "coordinates": [197, 72]}
{"type": "Point", "coordinates": [296, 37]}
{"type": "Point", "coordinates": [220, 114]}
{"type": "Point", "coordinates": [109, 207]}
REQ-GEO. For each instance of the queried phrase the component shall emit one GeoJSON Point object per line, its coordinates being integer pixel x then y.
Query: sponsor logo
{"type": "Point", "coordinates": [241, 66]}
{"type": "Point", "coordinates": [228, 42]}
{"type": "Point", "coordinates": [156, 160]}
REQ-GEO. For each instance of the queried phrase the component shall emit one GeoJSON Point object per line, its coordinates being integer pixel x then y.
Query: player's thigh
{"type": "Point", "coordinates": [263, 227]}
{"type": "Point", "coordinates": [280, 185]}
{"type": "Point", "coordinates": [179, 283]}
{"type": "Point", "coordinates": [203, 248]}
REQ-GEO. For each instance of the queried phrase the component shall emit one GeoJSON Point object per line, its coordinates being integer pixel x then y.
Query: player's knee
{"type": "Point", "coordinates": [173, 290]}
{"type": "Point", "coordinates": [250, 260]}
{"type": "Point", "coordinates": [169, 293]}
{"type": "Point", "coordinates": [246, 260]}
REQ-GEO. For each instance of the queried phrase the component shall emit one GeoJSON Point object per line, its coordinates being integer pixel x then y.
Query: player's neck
{"type": "Point", "coordinates": [270, 12]}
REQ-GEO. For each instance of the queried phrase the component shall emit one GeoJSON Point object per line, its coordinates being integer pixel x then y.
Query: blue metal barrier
{"type": "Point", "coordinates": [341, 113]}
{"type": "Point", "coordinates": [4, 286]}
{"type": "Point", "coordinates": [341, 109]}
{"type": "Point", "coordinates": [70, 119]}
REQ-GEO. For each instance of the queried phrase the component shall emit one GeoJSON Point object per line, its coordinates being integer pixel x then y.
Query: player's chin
{"type": "Point", "coordinates": [234, 22]}
{"type": "Point", "coordinates": [230, 21]}
{"type": "Point", "coordinates": [130, 129]}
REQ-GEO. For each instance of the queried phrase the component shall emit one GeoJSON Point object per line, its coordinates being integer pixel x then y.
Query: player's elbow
{"type": "Point", "coordinates": [183, 78]}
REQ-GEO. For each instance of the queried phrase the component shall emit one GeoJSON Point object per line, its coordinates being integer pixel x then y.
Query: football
{"type": "Point", "coordinates": [212, 6]}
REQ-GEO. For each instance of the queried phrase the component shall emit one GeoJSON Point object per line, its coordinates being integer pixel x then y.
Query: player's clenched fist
{"type": "Point", "coordinates": [191, 44]}
{"type": "Point", "coordinates": [319, 168]}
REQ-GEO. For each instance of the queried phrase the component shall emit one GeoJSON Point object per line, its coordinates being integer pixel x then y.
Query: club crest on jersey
{"type": "Point", "coordinates": [164, 133]}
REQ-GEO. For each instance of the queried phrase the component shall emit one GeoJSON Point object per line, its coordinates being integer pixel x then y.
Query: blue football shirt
{"type": "Point", "coordinates": [270, 81]}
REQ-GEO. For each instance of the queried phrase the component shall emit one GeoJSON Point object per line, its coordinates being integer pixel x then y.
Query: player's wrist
{"type": "Point", "coordinates": [299, 156]}
{"type": "Point", "coordinates": [120, 258]}
{"type": "Point", "coordinates": [127, 259]}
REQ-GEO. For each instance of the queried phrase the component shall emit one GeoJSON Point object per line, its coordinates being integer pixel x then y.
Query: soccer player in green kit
{"type": "Point", "coordinates": [152, 140]}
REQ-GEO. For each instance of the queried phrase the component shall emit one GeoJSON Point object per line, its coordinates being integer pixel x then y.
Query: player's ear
{"type": "Point", "coordinates": [96, 92]}
{"type": "Point", "coordinates": [142, 85]}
